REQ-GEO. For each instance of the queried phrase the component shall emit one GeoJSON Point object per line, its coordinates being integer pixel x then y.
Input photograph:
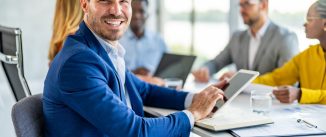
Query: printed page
{"type": "Point", "coordinates": [281, 127]}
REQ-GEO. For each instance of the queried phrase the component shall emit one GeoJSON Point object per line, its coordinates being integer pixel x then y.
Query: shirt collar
{"type": "Point", "coordinates": [119, 50]}
{"type": "Point", "coordinates": [260, 33]}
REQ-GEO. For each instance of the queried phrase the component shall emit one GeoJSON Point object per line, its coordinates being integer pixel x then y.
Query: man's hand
{"type": "Point", "coordinates": [287, 94]}
{"type": "Point", "coordinates": [141, 71]}
{"type": "Point", "coordinates": [201, 75]}
{"type": "Point", "coordinates": [152, 80]}
{"type": "Point", "coordinates": [204, 102]}
{"type": "Point", "coordinates": [227, 75]}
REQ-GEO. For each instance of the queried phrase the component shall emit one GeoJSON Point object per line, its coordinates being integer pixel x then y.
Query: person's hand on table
{"type": "Point", "coordinates": [141, 71]}
{"type": "Point", "coordinates": [287, 94]}
{"type": "Point", "coordinates": [152, 80]}
{"type": "Point", "coordinates": [201, 75]}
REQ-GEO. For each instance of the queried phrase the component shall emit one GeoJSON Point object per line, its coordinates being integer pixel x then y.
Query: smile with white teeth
{"type": "Point", "coordinates": [113, 23]}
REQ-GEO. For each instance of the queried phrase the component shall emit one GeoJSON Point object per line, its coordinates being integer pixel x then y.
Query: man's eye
{"type": "Point", "coordinates": [125, 1]}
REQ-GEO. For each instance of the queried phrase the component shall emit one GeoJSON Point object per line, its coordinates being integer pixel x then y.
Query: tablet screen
{"type": "Point", "coordinates": [236, 84]}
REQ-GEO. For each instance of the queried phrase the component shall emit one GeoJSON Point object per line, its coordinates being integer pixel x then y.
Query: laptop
{"type": "Point", "coordinates": [227, 117]}
{"type": "Point", "coordinates": [175, 66]}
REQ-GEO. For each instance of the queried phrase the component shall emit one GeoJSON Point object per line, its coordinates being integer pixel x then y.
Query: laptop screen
{"type": "Point", "coordinates": [175, 66]}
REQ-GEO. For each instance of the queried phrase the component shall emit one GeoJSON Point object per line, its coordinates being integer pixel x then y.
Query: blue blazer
{"type": "Point", "coordinates": [84, 97]}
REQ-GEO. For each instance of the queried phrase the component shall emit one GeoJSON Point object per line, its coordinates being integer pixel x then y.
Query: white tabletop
{"type": "Point", "coordinates": [311, 112]}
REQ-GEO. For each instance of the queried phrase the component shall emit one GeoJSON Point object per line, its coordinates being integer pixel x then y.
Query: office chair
{"type": "Point", "coordinates": [11, 58]}
{"type": "Point", "coordinates": [27, 117]}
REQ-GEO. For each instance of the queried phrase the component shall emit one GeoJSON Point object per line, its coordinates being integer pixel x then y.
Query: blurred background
{"type": "Point", "coordinates": [199, 27]}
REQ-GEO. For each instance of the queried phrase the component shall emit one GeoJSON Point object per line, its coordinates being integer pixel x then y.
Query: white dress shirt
{"type": "Point", "coordinates": [255, 43]}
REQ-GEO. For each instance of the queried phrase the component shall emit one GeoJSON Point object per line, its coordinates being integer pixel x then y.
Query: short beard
{"type": "Point", "coordinates": [253, 21]}
{"type": "Point", "coordinates": [94, 24]}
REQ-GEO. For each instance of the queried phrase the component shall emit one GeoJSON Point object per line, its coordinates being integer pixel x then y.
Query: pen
{"type": "Point", "coordinates": [305, 122]}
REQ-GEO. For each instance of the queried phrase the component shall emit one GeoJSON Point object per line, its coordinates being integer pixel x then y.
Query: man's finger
{"type": "Point", "coordinates": [216, 94]}
{"type": "Point", "coordinates": [222, 77]}
{"type": "Point", "coordinates": [221, 84]}
{"type": "Point", "coordinates": [215, 98]}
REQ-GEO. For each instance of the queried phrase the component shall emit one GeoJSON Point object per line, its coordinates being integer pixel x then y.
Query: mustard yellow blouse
{"type": "Point", "coordinates": [309, 68]}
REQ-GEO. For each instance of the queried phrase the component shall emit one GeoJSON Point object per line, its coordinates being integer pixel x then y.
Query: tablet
{"type": "Point", "coordinates": [235, 85]}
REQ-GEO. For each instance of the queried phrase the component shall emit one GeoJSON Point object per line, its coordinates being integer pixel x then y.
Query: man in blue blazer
{"type": "Point", "coordinates": [89, 93]}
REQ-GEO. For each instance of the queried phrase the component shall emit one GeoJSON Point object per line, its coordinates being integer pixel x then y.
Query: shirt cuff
{"type": "Point", "coordinates": [190, 117]}
{"type": "Point", "coordinates": [188, 100]}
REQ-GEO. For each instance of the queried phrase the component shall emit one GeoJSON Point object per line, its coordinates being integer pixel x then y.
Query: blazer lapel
{"type": "Point", "coordinates": [135, 99]}
{"type": "Point", "coordinates": [95, 45]}
{"type": "Point", "coordinates": [263, 45]}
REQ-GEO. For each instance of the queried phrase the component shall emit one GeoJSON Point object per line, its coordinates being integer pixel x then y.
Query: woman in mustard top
{"type": "Point", "coordinates": [308, 68]}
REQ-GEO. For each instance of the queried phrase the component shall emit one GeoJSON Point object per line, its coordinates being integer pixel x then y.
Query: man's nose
{"type": "Point", "coordinates": [115, 8]}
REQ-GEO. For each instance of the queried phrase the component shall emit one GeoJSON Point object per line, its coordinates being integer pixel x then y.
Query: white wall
{"type": "Point", "coordinates": [235, 20]}
{"type": "Point", "coordinates": [34, 17]}
{"type": "Point", "coordinates": [152, 20]}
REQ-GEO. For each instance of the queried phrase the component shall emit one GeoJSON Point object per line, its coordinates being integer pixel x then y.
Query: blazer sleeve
{"type": "Point", "coordinates": [85, 90]}
{"type": "Point", "coordinates": [288, 48]}
{"type": "Point", "coordinates": [288, 74]}
{"type": "Point", "coordinates": [157, 96]}
{"type": "Point", "coordinates": [311, 96]}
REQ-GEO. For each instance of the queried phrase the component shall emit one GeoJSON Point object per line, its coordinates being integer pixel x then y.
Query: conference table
{"type": "Point", "coordinates": [314, 113]}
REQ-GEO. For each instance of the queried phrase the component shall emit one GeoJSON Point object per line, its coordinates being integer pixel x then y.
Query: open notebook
{"type": "Point", "coordinates": [229, 118]}
{"type": "Point", "coordinates": [232, 118]}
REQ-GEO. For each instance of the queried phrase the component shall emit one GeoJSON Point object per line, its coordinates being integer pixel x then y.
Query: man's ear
{"type": "Point", "coordinates": [84, 5]}
{"type": "Point", "coordinates": [264, 4]}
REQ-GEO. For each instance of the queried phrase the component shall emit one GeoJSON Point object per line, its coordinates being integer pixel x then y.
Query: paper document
{"type": "Point", "coordinates": [281, 127]}
{"type": "Point", "coordinates": [299, 111]}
